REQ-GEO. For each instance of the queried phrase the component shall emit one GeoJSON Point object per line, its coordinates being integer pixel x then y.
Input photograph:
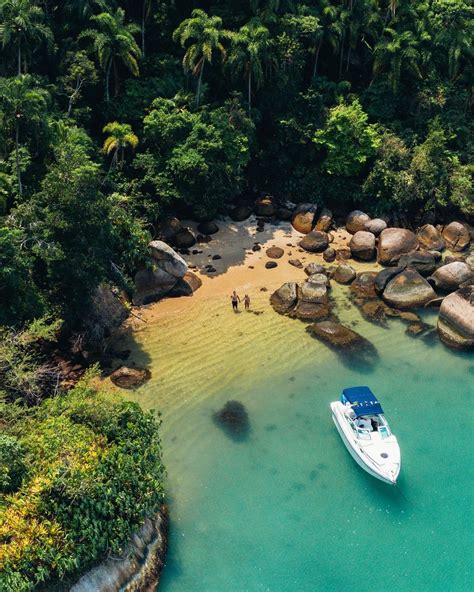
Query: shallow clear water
{"type": "Point", "coordinates": [287, 509]}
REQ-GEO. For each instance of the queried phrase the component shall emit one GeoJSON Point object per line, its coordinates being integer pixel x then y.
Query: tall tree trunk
{"type": "Point", "coordinates": [19, 57]}
{"type": "Point", "coordinates": [143, 26]}
{"type": "Point", "coordinates": [116, 79]}
{"type": "Point", "coordinates": [348, 58]}
{"type": "Point", "coordinates": [17, 155]}
{"type": "Point", "coordinates": [198, 95]}
{"type": "Point", "coordinates": [107, 81]}
{"type": "Point", "coordinates": [316, 59]}
{"type": "Point", "coordinates": [250, 89]}
{"type": "Point", "coordinates": [341, 54]}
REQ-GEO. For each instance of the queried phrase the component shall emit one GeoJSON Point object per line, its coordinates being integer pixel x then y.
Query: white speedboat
{"type": "Point", "coordinates": [364, 430]}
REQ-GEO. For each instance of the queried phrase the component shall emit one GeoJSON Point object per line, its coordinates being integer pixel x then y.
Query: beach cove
{"type": "Point", "coordinates": [286, 508]}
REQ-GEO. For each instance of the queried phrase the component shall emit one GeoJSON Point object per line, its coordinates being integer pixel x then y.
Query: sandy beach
{"type": "Point", "coordinates": [239, 267]}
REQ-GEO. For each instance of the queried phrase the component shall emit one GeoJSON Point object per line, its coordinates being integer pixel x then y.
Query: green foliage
{"type": "Point", "coordinates": [199, 158]}
{"type": "Point", "coordinates": [94, 472]}
{"type": "Point", "coordinates": [348, 139]}
{"type": "Point", "coordinates": [12, 465]}
{"type": "Point", "coordinates": [18, 293]}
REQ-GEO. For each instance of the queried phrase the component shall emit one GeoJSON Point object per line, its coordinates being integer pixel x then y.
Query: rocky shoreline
{"type": "Point", "coordinates": [418, 272]}
{"type": "Point", "coordinates": [138, 570]}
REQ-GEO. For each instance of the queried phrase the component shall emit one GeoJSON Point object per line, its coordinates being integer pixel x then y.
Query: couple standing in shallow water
{"type": "Point", "coordinates": [235, 298]}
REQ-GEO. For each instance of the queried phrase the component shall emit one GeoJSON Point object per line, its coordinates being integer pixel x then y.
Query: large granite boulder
{"type": "Point", "coordinates": [285, 298]}
{"type": "Point", "coordinates": [456, 236]}
{"type": "Point", "coordinates": [265, 207]}
{"type": "Point", "coordinates": [304, 218]}
{"type": "Point", "coordinates": [315, 241]}
{"type": "Point", "coordinates": [313, 292]}
{"type": "Point", "coordinates": [356, 220]}
{"type": "Point", "coordinates": [363, 287]}
{"type": "Point", "coordinates": [408, 290]}
{"type": "Point", "coordinates": [208, 227]}
{"type": "Point", "coordinates": [325, 220]}
{"type": "Point", "coordinates": [169, 227]}
{"type": "Point", "coordinates": [456, 319]}
{"type": "Point", "coordinates": [430, 238]}
{"type": "Point", "coordinates": [187, 285]}
{"type": "Point", "coordinates": [313, 268]}
{"type": "Point", "coordinates": [240, 213]}
{"type": "Point", "coordinates": [384, 276]}
{"type": "Point", "coordinates": [151, 284]}
{"type": "Point", "coordinates": [329, 255]}
{"type": "Point", "coordinates": [449, 278]}
{"type": "Point", "coordinates": [375, 226]}
{"type": "Point", "coordinates": [184, 239]}
{"type": "Point", "coordinates": [129, 378]}
{"type": "Point", "coordinates": [167, 258]}
{"type": "Point", "coordinates": [344, 274]}
{"type": "Point", "coordinates": [362, 245]}
{"type": "Point", "coordinates": [311, 312]}
{"type": "Point", "coordinates": [423, 262]}
{"type": "Point", "coordinates": [393, 243]}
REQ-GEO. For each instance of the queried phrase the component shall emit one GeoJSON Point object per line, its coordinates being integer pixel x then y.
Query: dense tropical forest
{"type": "Point", "coordinates": [116, 113]}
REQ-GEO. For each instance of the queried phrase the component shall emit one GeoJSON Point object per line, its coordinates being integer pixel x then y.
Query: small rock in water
{"type": "Point", "coordinates": [216, 257]}
{"type": "Point", "coordinates": [233, 419]}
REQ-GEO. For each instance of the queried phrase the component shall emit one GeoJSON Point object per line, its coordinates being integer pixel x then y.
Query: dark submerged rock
{"type": "Point", "coordinates": [234, 420]}
{"type": "Point", "coordinates": [350, 346]}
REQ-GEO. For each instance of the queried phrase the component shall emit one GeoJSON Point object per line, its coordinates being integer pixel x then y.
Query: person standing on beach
{"type": "Point", "coordinates": [235, 301]}
{"type": "Point", "coordinates": [247, 301]}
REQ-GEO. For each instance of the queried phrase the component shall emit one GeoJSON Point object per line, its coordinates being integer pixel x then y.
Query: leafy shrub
{"type": "Point", "coordinates": [95, 472]}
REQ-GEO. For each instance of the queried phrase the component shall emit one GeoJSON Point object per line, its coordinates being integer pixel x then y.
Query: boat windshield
{"type": "Point", "coordinates": [363, 427]}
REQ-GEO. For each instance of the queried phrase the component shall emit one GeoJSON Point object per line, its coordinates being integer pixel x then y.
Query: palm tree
{"type": "Point", "coordinates": [396, 53]}
{"type": "Point", "coordinates": [22, 101]}
{"type": "Point", "coordinates": [113, 42]}
{"type": "Point", "coordinates": [21, 23]}
{"type": "Point", "coordinates": [202, 35]}
{"type": "Point", "coordinates": [329, 31]}
{"type": "Point", "coordinates": [120, 137]}
{"type": "Point", "coordinates": [249, 50]}
{"type": "Point", "coordinates": [453, 29]}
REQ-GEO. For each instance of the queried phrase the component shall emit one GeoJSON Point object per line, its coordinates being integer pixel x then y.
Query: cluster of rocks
{"type": "Point", "coordinates": [166, 274]}
{"type": "Point", "coordinates": [415, 274]}
{"type": "Point", "coordinates": [175, 233]}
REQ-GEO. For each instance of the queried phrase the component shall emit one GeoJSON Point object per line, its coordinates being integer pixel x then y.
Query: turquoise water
{"type": "Point", "coordinates": [287, 509]}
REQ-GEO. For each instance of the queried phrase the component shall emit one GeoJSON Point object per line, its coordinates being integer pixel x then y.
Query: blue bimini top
{"type": "Point", "coordinates": [363, 400]}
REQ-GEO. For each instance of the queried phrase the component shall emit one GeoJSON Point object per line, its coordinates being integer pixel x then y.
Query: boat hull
{"type": "Point", "coordinates": [358, 456]}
